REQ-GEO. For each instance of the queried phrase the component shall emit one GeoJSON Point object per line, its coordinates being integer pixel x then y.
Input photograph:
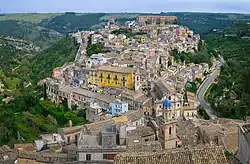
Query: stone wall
{"type": "Point", "coordinates": [243, 154]}
{"type": "Point", "coordinates": [46, 157]}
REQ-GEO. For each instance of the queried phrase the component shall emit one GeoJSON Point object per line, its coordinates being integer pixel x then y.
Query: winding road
{"type": "Point", "coordinates": [204, 87]}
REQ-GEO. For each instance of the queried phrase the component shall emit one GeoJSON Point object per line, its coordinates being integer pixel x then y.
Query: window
{"type": "Point", "coordinates": [169, 97]}
{"type": "Point", "coordinates": [188, 114]}
{"type": "Point", "coordinates": [160, 106]}
{"type": "Point", "coordinates": [124, 84]}
{"type": "Point", "coordinates": [192, 113]}
{"type": "Point", "coordinates": [76, 138]}
{"type": "Point", "coordinates": [108, 76]}
{"type": "Point", "coordinates": [169, 130]}
{"type": "Point", "coordinates": [137, 78]}
{"type": "Point", "coordinates": [68, 139]}
{"type": "Point", "coordinates": [88, 157]}
{"type": "Point", "coordinates": [116, 77]}
{"type": "Point", "coordinates": [105, 156]}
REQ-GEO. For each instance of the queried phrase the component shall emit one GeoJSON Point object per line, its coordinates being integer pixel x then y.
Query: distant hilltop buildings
{"type": "Point", "coordinates": [157, 20]}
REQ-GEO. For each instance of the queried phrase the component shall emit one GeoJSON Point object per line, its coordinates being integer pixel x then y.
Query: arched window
{"type": "Point", "coordinates": [169, 97]}
{"type": "Point", "coordinates": [169, 130]}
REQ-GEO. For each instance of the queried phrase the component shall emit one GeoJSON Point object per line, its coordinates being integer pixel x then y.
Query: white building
{"type": "Point", "coordinates": [96, 60]}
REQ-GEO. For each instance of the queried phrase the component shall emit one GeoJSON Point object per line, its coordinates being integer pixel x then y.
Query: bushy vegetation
{"type": "Point", "coordinates": [202, 113]}
{"type": "Point", "coordinates": [42, 37]}
{"type": "Point", "coordinates": [57, 55]}
{"type": "Point", "coordinates": [230, 96]}
{"type": "Point", "coordinates": [24, 118]}
{"type": "Point", "coordinates": [72, 22]}
{"type": "Point", "coordinates": [200, 56]}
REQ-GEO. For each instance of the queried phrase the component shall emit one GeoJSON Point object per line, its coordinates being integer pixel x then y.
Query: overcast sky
{"type": "Point", "coordinates": [238, 6]}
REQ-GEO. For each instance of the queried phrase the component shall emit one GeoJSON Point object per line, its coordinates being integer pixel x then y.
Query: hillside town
{"type": "Point", "coordinates": [138, 109]}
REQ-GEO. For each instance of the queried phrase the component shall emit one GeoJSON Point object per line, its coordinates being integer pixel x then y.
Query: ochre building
{"type": "Point", "coordinates": [117, 77]}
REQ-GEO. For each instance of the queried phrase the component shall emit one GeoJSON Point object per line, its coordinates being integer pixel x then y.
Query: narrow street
{"type": "Point", "coordinates": [204, 87]}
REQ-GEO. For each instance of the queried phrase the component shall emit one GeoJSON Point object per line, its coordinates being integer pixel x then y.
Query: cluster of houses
{"type": "Point", "coordinates": [136, 102]}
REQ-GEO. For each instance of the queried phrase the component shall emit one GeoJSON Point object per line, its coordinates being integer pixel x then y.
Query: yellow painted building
{"type": "Point", "coordinates": [92, 79]}
{"type": "Point", "coordinates": [143, 38]}
{"type": "Point", "coordinates": [122, 41]}
{"type": "Point", "coordinates": [117, 77]}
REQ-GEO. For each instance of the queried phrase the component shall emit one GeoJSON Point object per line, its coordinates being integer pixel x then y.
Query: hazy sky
{"type": "Point", "coordinates": [8, 6]}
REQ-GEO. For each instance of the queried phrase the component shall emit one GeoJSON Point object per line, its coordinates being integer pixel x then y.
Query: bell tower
{"type": "Point", "coordinates": [167, 128]}
{"type": "Point", "coordinates": [137, 79]}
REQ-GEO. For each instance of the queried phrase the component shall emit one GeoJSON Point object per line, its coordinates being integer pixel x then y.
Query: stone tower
{"type": "Point", "coordinates": [137, 80]}
{"type": "Point", "coordinates": [167, 130]}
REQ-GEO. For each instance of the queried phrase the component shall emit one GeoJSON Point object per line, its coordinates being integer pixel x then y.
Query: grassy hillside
{"type": "Point", "coordinates": [72, 22]}
{"type": "Point", "coordinates": [27, 116]}
{"type": "Point", "coordinates": [30, 17]}
{"type": "Point", "coordinates": [41, 36]}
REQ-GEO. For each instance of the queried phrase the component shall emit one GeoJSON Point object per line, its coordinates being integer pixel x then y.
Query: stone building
{"type": "Point", "coordinates": [7, 155]}
{"type": "Point", "coordinates": [222, 132]}
{"type": "Point", "coordinates": [99, 148]}
{"type": "Point", "coordinates": [243, 153]}
{"type": "Point", "coordinates": [167, 130]}
{"type": "Point", "coordinates": [157, 20]}
{"type": "Point", "coordinates": [145, 133]}
{"type": "Point", "coordinates": [70, 134]}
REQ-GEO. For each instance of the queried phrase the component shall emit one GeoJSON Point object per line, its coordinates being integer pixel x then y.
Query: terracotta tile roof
{"type": "Point", "coordinates": [149, 146]}
{"type": "Point", "coordinates": [142, 132]}
{"type": "Point", "coordinates": [134, 115]}
{"type": "Point", "coordinates": [95, 128]}
{"type": "Point", "coordinates": [120, 119]}
{"type": "Point", "coordinates": [5, 149]}
{"type": "Point", "coordinates": [205, 155]}
{"type": "Point", "coordinates": [117, 69]}
{"type": "Point", "coordinates": [68, 130]}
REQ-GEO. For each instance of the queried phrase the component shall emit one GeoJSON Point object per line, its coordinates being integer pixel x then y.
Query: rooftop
{"type": "Point", "coordinates": [117, 69]}
{"type": "Point", "coordinates": [205, 155]}
{"type": "Point", "coordinates": [68, 130]}
{"type": "Point", "coordinates": [25, 147]}
{"type": "Point", "coordinates": [148, 146]}
{"type": "Point", "coordinates": [141, 131]}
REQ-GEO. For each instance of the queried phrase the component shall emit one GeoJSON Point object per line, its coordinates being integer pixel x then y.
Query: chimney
{"type": "Point", "coordinates": [70, 123]}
